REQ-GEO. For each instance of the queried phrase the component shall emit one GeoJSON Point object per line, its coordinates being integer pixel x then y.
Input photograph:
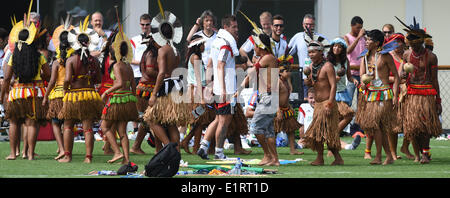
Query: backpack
{"type": "Point", "coordinates": [165, 163]}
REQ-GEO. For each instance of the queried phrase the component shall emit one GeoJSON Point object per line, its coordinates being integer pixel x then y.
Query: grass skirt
{"type": "Point", "coordinates": [81, 104]}
{"type": "Point", "coordinates": [143, 93]}
{"type": "Point", "coordinates": [168, 112]}
{"type": "Point", "coordinates": [55, 102]}
{"type": "Point", "coordinates": [323, 129]}
{"type": "Point", "coordinates": [239, 123]}
{"type": "Point", "coordinates": [25, 101]}
{"type": "Point", "coordinates": [285, 121]}
{"type": "Point", "coordinates": [121, 107]}
{"type": "Point", "coordinates": [345, 110]}
{"type": "Point", "coordinates": [420, 116]}
{"type": "Point", "coordinates": [207, 117]}
{"type": "Point", "coordinates": [378, 116]}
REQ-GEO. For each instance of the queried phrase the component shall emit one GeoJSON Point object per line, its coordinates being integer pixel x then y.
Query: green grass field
{"type": "Point", "coordinates": [355, 166]}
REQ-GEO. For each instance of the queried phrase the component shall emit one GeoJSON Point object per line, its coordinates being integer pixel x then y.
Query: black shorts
{"type": "Point", "coordinates": [223, 108]}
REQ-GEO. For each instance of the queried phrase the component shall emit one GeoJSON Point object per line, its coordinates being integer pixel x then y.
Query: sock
{"type": "Point", "coordinates": [219, 153]}
{"type": "Point", "coordinates": [204, 144]}
{"type": "Point", "coordinates": [356, 142]}
{"type": "Point", "coordinates": [348, 147]}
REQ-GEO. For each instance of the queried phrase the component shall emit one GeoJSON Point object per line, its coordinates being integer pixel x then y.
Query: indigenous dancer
{"type": "Point", "coordinates": [166, 110]}
{"type": "Point", "coordinates": [285, 120]}
{"type": "Point", "coordinates": [324, 127]}
{"type": "Point", "coordinates": [30, 69]}
{"type": "Point", "coordinates": [81, 103]}
{"type": "Point", "coordinates": [144, 89]}
{"type": "Point", "coordinates": [120, 106]}
{"type": "Point", "coordinates": [422, 104]}
{"type": "Point", "coordinates": [263, 117]}
{"type": "Point", "coordinates": [56, 84]}
{"type": "Point", "coordinates": [397, 55]}
{"type": "Point", "coordinates": [377, 119]}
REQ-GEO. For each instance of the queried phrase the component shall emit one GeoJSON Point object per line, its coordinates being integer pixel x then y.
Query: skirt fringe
{"type": "Point", "coordinates": [420, 116]}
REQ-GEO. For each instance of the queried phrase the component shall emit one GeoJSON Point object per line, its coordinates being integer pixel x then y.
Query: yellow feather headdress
{"type": "Point", "coordinates": [258, 31]}
{"type": "Point", "coordinates": [121, 38]}
{"type": "Point", "coordinates": [24, 25]}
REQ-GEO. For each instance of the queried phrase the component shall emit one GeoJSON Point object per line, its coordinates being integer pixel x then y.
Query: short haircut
{"type": "Point", "coordinates": [376, 35]}
{"type": "Point", "coordinates": [309, 16]}
{"type": "Point", "coordinates": [357, 20]}
{"type": "Point", "coordinates": [266, 15]}
{"type": "Point", "coordinates": [278, 17]}
{"type": "Point", "coordinates": [311, 90]}
{"type": "Point", "coordinates": [227, 19]}
{"type": "Point", "coordinates": [145, 17]}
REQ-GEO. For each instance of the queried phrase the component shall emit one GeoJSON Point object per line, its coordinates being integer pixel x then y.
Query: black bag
{"type": "Point", "coordinates": [165, 163]}
{"type": "Point", "coordinates": [127, 168]}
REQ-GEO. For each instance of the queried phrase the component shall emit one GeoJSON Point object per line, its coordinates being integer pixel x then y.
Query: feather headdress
{"type": "Point", "coordinates": [83, 29]}
{"type": "Point", "coordinates": [167, 19]}
{"type": "Point", "coordinates": [414, 32]}
{"type": "Point", "coordinates": [256, 35]}
{"type": "Point", "coordinates": [316, 42]}
{"type": "Point", "coordinates": [25, 25]}
{"type": "Point", "coordinates": [122, 39]}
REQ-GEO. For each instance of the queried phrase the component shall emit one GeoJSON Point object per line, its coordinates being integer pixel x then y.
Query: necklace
{"type": "Point", "coordinates": [315, 70]}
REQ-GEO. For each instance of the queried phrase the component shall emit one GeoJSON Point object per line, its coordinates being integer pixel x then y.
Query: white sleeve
{"type": "Point", "coordinates": [247, 46]}
{"type": "Point", "coordinates": [224, 55]}
{"type": "Point", "coordinates": [301, 116]}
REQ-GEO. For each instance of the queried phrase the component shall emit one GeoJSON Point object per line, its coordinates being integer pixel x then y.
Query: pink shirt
{"type": "Point", "coordinates": [359, 48]}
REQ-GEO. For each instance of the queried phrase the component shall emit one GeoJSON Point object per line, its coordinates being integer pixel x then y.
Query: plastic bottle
{"type": "Point", "coordinates": [104, 172]}
{"type": "Point", "coordinates": [238, 166]}
{"type": "Point", "coordinates": [185, 172]}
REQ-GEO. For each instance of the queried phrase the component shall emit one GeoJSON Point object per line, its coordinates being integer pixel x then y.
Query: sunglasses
{"type": "Point", "coordinates": [278, 25]}
{"type": "Point", "coordinates": [146, 24]}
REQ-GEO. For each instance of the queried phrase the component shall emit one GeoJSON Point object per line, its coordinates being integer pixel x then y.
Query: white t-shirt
{"type": "Point", "coordinates": [205, 54]}
{"type": "Point", "coordinates": [2, 55]}
{"type": "Point", "coordinates": [305, 115]}
{"type": "Point", "coordinates": [219, 52]}
{"type": "Point", "coordinates": [298, 45]}
{"type": "Point", "coordinates": [278, 51]}
{"type": "Point", "coordinates": [138, 51]}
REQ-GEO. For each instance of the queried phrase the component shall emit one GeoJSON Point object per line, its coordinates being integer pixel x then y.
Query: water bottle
{"type": "Point", "coordinates": [185, 172]}
{"type": "Point", "coordinates": [238, 166]}
{"type": "Point", "coordinates": [233, 104]}
{"type": "Point", "coordinates": [104, 172]}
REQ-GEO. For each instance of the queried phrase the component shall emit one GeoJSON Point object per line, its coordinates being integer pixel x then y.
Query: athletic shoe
{"type": "Point", "coordinates": [203, 154]}
{"type": "Point", "coordinates": [356, 142]}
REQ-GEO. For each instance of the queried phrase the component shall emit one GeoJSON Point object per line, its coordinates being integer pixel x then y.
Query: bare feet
{"type": "Point", "coordinates": [242, 152]}
{"type": "Point", "coordinates": [337, 162]}
{"type": "Point", "coordinates": [265, 161]}
{"type": "Point", "coordinates": [425, 159]}
{"type": "Point", "coordinates": [59, 156]}
{"type": "Point", "coordinates": [116, 157]}
{"type": "Point", "coordinates": [11, 157]}
{"type": "Point", "coordinates": [367, 156]}
{"type": "Point", "coordinates": [388, 161]}
{"type": "Point", "coordinates": [376, 161]}
{"type": "Point", "coordinates": [138, 151]}
{"type": "Point", "coordinates": [330, 154]}
{"type": "Point", "coordinates": [65, 159]}
{"type": "Point", "coordinates": [88, 159]}
{"type": "Point", "coordinates": [406, 152]}
{"type": "Point", "coordinates": [273, 162]}
{"type": "Point", "coordinates": [317, 162]}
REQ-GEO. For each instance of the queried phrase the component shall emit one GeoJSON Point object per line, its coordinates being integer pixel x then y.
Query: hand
{"type": "Point", "coordinates": [223, 98]}
{"type": "Point", "coordinates": [104, 97]}
{"type": "Point", "coordinates": [355, 82]}
{"type": "Point", "coordinates": [395, 101]}
{"type": "Point", "coordinates": [44, 101]}
{"type": "Point", "coordinates": [198, 21]}
{"type": "Point", "coordinates": [152, 101]}
{"type": "Point", "coordinates": [362, 32]}
{"type": "Point", "coordinates": [308, 82]}
{"type": "Point", "coordinates": [338, 78]}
